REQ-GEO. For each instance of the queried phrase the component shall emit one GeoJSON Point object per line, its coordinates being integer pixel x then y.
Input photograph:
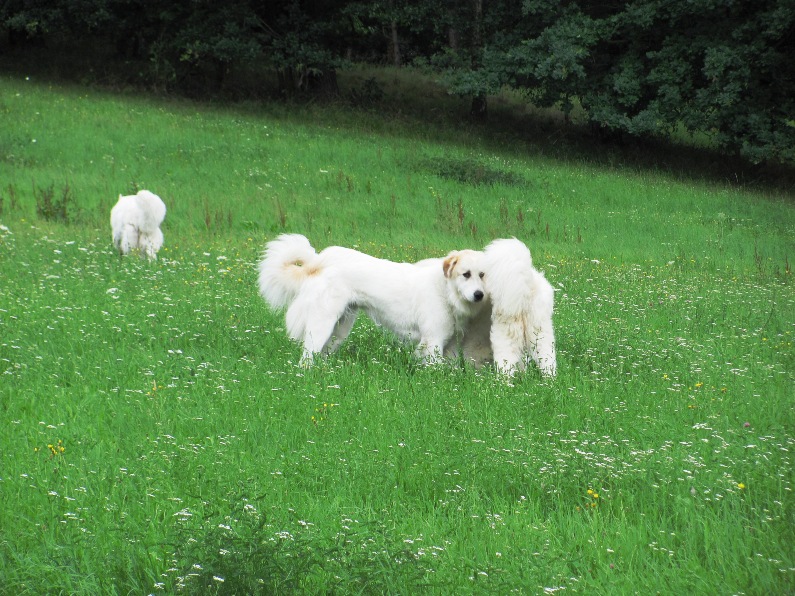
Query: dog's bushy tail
{"type": "Point", "coordinates": [153, 211]}
{"type": "Point", "coordinates": [287, 262]}
{"type": "Point", "coordinates": [511, 279]}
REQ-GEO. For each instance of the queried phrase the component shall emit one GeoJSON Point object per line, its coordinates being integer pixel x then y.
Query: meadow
{"type": "Point", "coordinates": [159, 437]}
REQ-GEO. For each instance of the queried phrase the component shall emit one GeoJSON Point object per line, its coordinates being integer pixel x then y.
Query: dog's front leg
{"type": "Point", "coordinates": [307, 359]}
{"type": "Point", "coordinates": [542, 350]}
{"type": "Point", "coordinates": [430, 352]}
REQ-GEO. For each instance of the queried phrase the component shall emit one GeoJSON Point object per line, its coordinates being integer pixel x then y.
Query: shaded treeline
{"type": "Point", "coordinates": [645, 68]}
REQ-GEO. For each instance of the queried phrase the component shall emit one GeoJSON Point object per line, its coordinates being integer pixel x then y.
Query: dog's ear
{"type": "Point", "coordinates": [449, 263]}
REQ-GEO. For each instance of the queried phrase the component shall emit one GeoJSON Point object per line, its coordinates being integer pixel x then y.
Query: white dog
{"type": "Point", "coordinates": [135, 221]}
{"type": "Point", "coordinates": [517, 321]}
{"type": "Point", "coordinates": [427, 303]}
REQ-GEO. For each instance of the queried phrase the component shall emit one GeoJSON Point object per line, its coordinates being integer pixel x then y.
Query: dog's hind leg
{"type": "Point", "coordinates": [151, 243]}
{"type": "Point", "coordinates": [341, 330]}
{"type": "Point", "coordinates": [147, 246]}
{"type": "Point", "coordinates": [323, 319]}
{"type": "Point", "coordinates": [542, 350]}
{"type": "Point", "coordinates": [507, 341]}
{"type": "Point", "coordinates": [128, 239]}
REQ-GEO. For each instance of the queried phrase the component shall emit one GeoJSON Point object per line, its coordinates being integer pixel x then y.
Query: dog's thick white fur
{"type": "Point", "coordinates": [428, 303]}
{"type": "Point", "coordinates": [135, 221]}
{"type": "Point", "coordinates": [517, 321]}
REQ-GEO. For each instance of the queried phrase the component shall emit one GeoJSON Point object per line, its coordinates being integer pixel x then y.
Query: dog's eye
{"type": "Point", "coordinates": [481, 275]}
{"type": "Point", "coordinates": [467, 275]}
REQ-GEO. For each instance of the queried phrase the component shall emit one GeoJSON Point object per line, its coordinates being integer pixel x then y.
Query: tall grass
{"type": "Point", "coordinates": [159, 437]}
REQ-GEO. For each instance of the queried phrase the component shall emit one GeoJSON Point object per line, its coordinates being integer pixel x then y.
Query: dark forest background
{"type": "Point", "coordinates": [722, 69]}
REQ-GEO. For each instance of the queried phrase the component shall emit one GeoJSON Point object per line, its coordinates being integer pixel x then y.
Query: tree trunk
{"type": "Point", "coordinates": [323, 84]}
{"type": "Point", "coordinates": [452, 38]}
{"type": "Point", "coordinates": [452, 31]}
{"type": "Point", "coordinates": [395, 45]}
{"type": "Point", "coordinates": [479, 109]}
{"type": "Point", "coordinates": [477, 26]}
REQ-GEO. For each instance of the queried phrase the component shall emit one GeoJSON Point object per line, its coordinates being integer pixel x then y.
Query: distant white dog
{"type": "Point", "coordinates": [517, 321]}
{"type": "Point", "coordinates": [135, 221]}
{"type": "Point", "coordinates": [427, 303]}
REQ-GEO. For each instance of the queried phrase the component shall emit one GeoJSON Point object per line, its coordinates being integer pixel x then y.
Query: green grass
{"type": "Point", "coordinates": [158, 436]}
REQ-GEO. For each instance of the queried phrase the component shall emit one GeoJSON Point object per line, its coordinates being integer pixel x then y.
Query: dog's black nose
{"type": "Point", "coordinates": [478, 296]}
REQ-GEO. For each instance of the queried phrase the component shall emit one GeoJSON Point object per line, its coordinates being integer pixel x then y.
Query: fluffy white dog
{"type": "Point", "coordinates": [135, 220]}
{"type": "Point", "coordinates": [517, 321]}
{"type": "Point", "coordinates": [428, 303]}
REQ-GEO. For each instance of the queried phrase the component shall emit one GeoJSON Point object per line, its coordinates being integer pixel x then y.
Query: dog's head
{"type": "Point", "coordinates": [464, 269]}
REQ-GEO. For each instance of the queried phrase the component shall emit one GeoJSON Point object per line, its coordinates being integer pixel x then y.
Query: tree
{"type": "Point", "coordinates": [480, 34]}
{"type": "Point", "coordinates": [300, 46]}
{"type": "Point", "coordinates": [36, 20]}
{"type": "Point", "coordinates": [648, 67]}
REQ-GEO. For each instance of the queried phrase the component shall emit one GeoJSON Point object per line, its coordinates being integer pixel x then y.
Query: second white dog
{"type": "Point", "coordinates": [135, 221]}
{"type": "Point", "coordinates": [518, 322]}
{"type": "Point", "coordinates": [427, 303]}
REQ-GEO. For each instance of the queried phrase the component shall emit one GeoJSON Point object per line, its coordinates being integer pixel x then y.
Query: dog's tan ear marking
{"type": "Point", "coordinates": [449, 263]}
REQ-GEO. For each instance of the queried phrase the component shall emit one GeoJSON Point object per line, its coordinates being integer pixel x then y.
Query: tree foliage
{"type": "Point", "coordinates": [647, 67]}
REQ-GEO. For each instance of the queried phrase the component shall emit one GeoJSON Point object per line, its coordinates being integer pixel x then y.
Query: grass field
{"type": "Point", "coordinates": [158, 437]}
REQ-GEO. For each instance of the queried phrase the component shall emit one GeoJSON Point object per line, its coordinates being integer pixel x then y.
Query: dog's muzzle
{"type": "Point", "coordinates": [478, 296]}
